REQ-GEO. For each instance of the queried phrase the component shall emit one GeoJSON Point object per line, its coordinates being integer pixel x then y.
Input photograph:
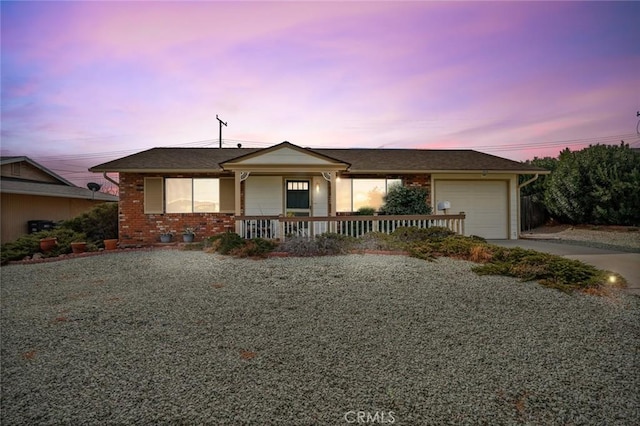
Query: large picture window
{"type": "Point", "coordinates": [353, 194]}
{"type": "Point", "coordinates": [197, 195]}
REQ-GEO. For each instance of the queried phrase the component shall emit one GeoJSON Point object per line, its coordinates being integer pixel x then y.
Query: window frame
{"type": "Point", "coordinates": [154, 195]}
{"type": "Point", "coordinates": [387, 183]}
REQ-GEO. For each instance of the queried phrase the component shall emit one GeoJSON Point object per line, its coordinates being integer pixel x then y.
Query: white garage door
{"type": "Point", "coordinates": [485, 204]}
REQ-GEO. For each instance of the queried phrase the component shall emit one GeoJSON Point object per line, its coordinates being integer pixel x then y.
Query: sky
{"type": "Point", "coordinates": [88, 82]}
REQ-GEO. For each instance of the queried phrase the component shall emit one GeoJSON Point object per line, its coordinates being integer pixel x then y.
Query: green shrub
{"type": "Point", "coordinates": [322, 245]}
{"type": "Point", "coordinates": [225, 243]}
{"type": "Point", "coordinates": [28, 245]}
{"type": "Point", "coordinates": [453, 246]}
{"type": "Point", "coordinates": [409, 234]}
{"type": "Point", "coordinates": [331, 243]}
{"type": "Point", "coordinates": [24, 246]}
{"type": "Point", "coordinates": [233, 244]}
{"type": "Point", "coordinates": [458, 246]}
{"type": "Point", "coordinates": [598, 185]}
{"type": "Point", "coordinates": [257, 247]}
{"type": "Point", "coordinates": [422, 251]}
{"type": "Point", "coordinates": [299, 246]}
{"type": "Point", "coordinates": [406, 200]}
{"type": "Point", "coordinates": [376, 241]}
{"type": "Point", "coordinates": [550, 270]}
{"type": "Point", "coordinates": [366, 211]}
{"type": "Point", "coordinates": [98, 224]}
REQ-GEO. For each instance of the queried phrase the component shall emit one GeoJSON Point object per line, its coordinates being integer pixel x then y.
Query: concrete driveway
{"type": "Point", "coordinates": [624, 263]}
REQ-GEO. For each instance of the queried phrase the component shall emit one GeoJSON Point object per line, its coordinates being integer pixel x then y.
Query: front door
{"type": "Point", "coordinates": [297, 200]}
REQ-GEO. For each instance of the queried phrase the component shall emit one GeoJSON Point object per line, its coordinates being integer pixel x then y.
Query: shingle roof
{"type": "Point", "coordinates": [424, 160]}
{"type": "Point", "coordinates": [17, 159]}
{"type": "Point", "coordinates": [174, 159]}
{"type": "Point", "coordinates": [361, 160]}
{"type": "Point", "coordinates": [10, 186]}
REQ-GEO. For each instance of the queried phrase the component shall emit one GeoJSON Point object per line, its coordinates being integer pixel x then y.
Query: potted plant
{"type": "Point", "coordinates": [48, 243]}
{"type": "Point", "coordinates": [111, 244]}
{"type": "Point", "coordinates": [165, 237]}
{"type": "Point", "coordinates": [78, 247]}
{"type": "Point", "coordinates": [188, 234]}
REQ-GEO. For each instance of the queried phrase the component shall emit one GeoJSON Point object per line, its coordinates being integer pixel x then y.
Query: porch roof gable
{"type": "Point", "coordinates": [285, 156]}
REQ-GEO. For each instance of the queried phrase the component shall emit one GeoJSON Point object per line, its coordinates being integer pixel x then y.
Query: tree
{"type": "Point", "coordinates": [537, 188]}
{"type": "Point", "coordinates": [403, 200]}
{"type": "Point", "coordinates": [599, 185]}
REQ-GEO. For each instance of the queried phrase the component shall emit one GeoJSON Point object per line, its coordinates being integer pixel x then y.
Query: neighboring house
{"type": "Point", "coordinates": [166, 189]}
{"type": "Point", "coordinates": [30, 192]}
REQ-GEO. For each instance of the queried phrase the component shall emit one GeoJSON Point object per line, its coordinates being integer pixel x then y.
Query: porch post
{"type": "Point", "coordinates": [238, 200]}
{"type": "Point", "coordinates": [334, 199]}
{"type": "Point", "coordinates": [334, 195]}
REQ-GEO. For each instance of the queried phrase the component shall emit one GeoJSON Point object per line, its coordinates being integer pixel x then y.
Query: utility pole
{"type": "Point", "coordinates": [221, 123]}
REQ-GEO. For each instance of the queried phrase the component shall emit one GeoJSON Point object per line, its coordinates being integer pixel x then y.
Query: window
{"type": "Point", "coordinates": [186, 195]}
{"type": "Point", "coordinates": [353, 194]}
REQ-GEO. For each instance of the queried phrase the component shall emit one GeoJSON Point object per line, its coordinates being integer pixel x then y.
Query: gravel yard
{"type": "Point", "coordinates": [183, 337]}
{"type": "Point", "coordinates": [618, 237]}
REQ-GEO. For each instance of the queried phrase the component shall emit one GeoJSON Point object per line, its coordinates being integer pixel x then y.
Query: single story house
{"type": "Point", "coordinates": [30, 192]}
{"type": "Point", "coordinates": [164, 190]}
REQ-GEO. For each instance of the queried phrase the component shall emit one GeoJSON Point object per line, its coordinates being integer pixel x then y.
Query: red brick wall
{"type": "Point", "coordinates": [137, 228]}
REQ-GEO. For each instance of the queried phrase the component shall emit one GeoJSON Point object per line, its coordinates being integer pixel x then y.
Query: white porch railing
{"type": "Point", "coordinates": [281, 227]}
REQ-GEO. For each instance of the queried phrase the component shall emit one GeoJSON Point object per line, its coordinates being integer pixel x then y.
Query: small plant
{"type": "Point", "coordinates": [376, 241]}
{"type": "Point", "coordinates": [257, 247]}
{"type": "Point", "coordinates": [166, 236]}
{"type": "Point", "coordinates": [188, 230]}
{"type": "Point", "coordinates": [226, 242]}
{"type": "Point", "coordinates": [322, 245]}
{"type": "Point", "coordinates": [366, 211]}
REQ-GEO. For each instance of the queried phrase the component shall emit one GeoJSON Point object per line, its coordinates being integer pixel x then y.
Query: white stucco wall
{"type": "Point", "coordinates": [263, 195]}
{"type": "Point", "coordinates": [285, 156]}
{"type": "Point", "coordinates": [319, 196]}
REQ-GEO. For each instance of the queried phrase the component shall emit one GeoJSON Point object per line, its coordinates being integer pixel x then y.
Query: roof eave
{"type": "Point", "coordinates": [433, 171]}
{"type": "Point", "coordinates": [97, 196]}
{"type": "Point", "coordinates": [160, 170]}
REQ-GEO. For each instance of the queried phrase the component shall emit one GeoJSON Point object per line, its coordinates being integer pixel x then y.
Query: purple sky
{"type": "Point", "coordinates": [86, 82]}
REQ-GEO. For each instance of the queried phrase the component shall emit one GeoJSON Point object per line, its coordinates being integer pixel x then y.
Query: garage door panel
{"type": "Point", "coordinates": [485, 204]}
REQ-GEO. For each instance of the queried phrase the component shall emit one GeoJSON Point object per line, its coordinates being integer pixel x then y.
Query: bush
{"type": "Point", "coordinates": [366, 211]}
{"type": "Point", "coordinates": [408, 234]}
{"type": "Point", "coordinates": [225, 243]}
{"type": "Point", "coordinates": [98, 224]}
{"type": "Point", "coordinates": [403, 200]}
{"type": "Point", "coordinates": [257, 247]}
{"type": "Point", "coordinates": [322, 245]}
{"type": "Point", "coordinates": [28, 245]}
{"type": "Point", "coordinates": [597, 185]}
{"type": "Point", "coordinates": [376, 241]}
{"type": "Point", "coordinates": [550, 270]}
